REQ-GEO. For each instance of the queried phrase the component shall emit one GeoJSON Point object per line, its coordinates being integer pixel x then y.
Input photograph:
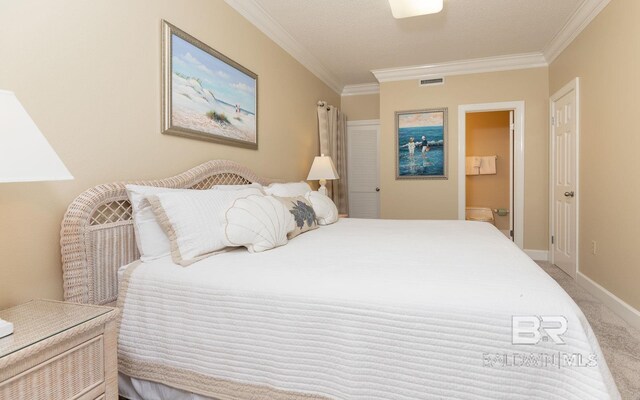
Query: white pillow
{"type": "Point", "coordinates": [253, 185]}
{"type": "Point", "coordinates": [258, 223]}
{"type": "Point", "coordinates": [151, 239]}
{"type": "Point", "coordinates": [194, 220]}
{"type": "Point", "coordinates": [325, 209]}
{"type": "Point", "coordinates": [291, 189]}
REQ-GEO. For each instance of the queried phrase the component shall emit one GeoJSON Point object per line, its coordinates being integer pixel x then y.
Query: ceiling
{"type": "Point", "coordinates": [349, 38]}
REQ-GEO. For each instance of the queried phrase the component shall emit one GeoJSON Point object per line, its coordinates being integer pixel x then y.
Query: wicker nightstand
{"type": "Point", "coordinates": [59, 351]}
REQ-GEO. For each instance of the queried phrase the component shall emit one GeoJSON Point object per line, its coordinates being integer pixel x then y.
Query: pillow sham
{"type": "Point", "coordinates": [151, 239]}
{"type": "Point", "coordinates": [290, 189]}
{"type": "Point", "coordinates": [302, 212]}
{"type": "Point", "coordinates": [258, 223]}
{"type": "Point", "coordinates": [325, 209]}
{"type": "Point", "coordinates": [253, 185]}
{"type": "Point", "coordinates": [194, 221]}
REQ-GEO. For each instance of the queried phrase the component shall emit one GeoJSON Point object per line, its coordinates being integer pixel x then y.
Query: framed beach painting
{"type": "Point", "coordinates": [206, 95]}
{"type": "Point", "coordinates": [421, 144]}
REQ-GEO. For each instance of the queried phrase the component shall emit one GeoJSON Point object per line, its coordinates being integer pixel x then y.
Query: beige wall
{"type": "Point", "coordinates": [362, 107]}
{"type": "Point", "coordinates": [437, 199]}
{"type": "Point", "coordinates": [488, 135]}
{"type": "Point", "coordinates": [88, 72]}
{"type": "Point", "coordinates": [606, 57]}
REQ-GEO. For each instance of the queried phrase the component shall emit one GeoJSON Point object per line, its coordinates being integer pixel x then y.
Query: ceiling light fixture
{"type": "Point", "coordinates": [412, 8]}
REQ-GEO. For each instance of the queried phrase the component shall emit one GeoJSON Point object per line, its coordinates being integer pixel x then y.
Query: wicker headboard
{"type": "Point", "coordinates": [97, 235]}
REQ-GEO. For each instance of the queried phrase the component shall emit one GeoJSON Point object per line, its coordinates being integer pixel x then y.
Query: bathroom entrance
{"type": "Point", "coordinates": [491, 166]}
{"type": "Point", "coordinates": [488, 169]}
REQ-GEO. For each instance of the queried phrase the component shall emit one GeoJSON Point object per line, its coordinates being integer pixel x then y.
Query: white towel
{"type": "Point", "coordinates": [488, 165]}
{"type": "Point", "coordinates": [472, 165]}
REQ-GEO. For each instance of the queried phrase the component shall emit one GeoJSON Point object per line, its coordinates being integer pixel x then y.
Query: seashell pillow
{"type": "Point", "coordinates": [303, 214]}
{"type": "Point", "coordinates": [325, 209]}
{"type": "Point", "coordinates": [258, 223]}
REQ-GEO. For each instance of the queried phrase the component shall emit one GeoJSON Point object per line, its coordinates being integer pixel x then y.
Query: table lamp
{"type": "Point", "coordinates": [322, 169]}
{"type": "Point", "coordinates": [25, 155]}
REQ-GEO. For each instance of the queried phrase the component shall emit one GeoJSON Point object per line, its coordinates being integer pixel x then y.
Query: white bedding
{"type": "Point", "coordinates": [361, 309]}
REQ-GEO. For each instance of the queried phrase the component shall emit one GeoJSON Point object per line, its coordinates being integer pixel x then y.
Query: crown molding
{"type": "Point", "coordinates": [361, 89]}
{"type": "Point", "coordinates": [587, 11]}
{"type": "Point", "coordinates": [462, 67]}
{"type": "Point", "coordinates": [259, 17]}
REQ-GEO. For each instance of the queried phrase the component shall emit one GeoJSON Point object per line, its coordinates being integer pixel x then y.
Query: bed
{"type": "Point", "coordinates": [361, 309]}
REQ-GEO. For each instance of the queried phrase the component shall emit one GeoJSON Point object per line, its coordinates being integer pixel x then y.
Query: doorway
{"type": "Point", "coordinates": [515, 213]}
{"type": "Point", "coordinates": [489, 168]}
{"type": "Point", "coordinates": [564, 160]}
{"type": "Point", "coordinates": [362, 168]}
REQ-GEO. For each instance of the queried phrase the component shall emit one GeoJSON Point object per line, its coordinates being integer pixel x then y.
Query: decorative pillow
{"type": "Point", "coordinates": [258, 223]}
{"type": "Point", "coordinates": [151, 239]}
{"type": "Point", "coordinates": [194, 221]}
{"type": "Point", "coordinates": [303, 214]}
{"type": "Point", "coordinates": [291, 189]}
{"type": "Point", "coordinates": [253, 185]}
{"type": "Point", "coordinates": [325, 209]}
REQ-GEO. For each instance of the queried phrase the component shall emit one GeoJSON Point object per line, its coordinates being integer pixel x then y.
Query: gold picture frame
{"type": "Point", "coordinates": [205, 94]}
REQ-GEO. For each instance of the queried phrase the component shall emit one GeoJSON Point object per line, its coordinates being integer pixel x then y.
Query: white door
{"type": "Point", "coordinates": [564, 182]}
{"type": "Point", "coordinates": [362, 167]}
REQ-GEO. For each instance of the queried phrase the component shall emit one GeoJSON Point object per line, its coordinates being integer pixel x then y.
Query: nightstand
{"type": "Point", "coordinates": [343, 215]}
{"type": "Point", "coordinates": [59, 351]}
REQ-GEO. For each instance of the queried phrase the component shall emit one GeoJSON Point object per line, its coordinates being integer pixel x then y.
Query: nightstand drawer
{"type": "Point", "coordinates": [77, 373]}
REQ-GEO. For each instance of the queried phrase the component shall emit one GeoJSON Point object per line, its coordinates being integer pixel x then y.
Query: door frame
{"type": "Point", "coordinates": [365, 123]}
{"type": "Point", "coordinates": [573, 85]}
{"type": "Point", "coordinates": [518, 108]}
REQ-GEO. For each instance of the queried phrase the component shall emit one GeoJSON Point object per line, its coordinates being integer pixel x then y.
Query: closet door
{"type": "Point", "coordinates": [362, 167]}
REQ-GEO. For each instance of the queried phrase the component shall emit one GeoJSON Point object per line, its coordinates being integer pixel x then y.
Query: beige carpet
{"type": "Point", "coordinates": [619, 341]}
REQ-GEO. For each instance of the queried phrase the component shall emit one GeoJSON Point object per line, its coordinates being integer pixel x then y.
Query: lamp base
{"type": "Point", "coordinates": [323, 189]}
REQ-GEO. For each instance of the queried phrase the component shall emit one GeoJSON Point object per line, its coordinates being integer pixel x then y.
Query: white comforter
{"type": "Point", "coordinates": [366, 309]}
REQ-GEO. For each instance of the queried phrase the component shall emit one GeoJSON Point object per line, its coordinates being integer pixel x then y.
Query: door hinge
{"type": "Point", "coordinates": [552, 239]}
{"type": "Point", "coordinates": [553, 120]}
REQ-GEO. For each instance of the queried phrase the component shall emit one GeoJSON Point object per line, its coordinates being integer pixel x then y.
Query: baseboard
{"type": "Point", "coordinates": [538, 255]}
{"type": "Point", "coordinates": [618, 306]}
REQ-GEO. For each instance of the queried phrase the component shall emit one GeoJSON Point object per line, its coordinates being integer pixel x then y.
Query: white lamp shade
{"type": "Point", "coordinates": [25, 154]}
{"type": "Point", "coordinates": [412, 8]}
{"type": "Point", "coordinates": [322, 168]}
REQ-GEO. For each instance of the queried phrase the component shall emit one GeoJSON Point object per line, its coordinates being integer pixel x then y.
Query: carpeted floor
{"type": "Point", "coordinates": [619, 341]}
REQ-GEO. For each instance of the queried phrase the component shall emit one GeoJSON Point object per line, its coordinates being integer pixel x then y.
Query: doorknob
{"type": "Point", "coordinates": [377, 189]}
{"type": "Point", "coordinates": [569, 194]}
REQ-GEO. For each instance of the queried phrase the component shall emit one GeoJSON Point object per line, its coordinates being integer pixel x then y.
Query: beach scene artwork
{"type": "Point", "coordinates": [210, 97]}
{"type": "Point", "coordinates": [421, 144]}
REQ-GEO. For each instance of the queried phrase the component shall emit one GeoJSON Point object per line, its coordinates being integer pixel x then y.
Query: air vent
{"type": "Point", "coordinates": [432, 81]}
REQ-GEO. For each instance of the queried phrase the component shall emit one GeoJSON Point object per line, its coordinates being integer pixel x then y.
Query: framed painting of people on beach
{"type": "Point", "coordinates": [206, 95]}
{"type": "Point", "coordinates": [421, 144]}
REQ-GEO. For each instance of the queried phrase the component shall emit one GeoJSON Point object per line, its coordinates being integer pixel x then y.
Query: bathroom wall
{"type": "Point", "coordinates": [487, 135]}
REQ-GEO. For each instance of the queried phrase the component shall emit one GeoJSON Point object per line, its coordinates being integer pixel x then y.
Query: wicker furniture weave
{"type": "Point", "coordinates": [97, 235]}
{"type": "Point", "coordinates": [59, 351]}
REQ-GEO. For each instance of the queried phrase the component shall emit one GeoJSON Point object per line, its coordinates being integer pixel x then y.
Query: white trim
{"type": "Point", "coordinates": [580, 19]}
{"type": "Point", "coordinates": [259, 17]}
{"type": "Point", "coordinates": [574, 85]}
{"type": "Point", "coordinates": [462, 67]}
{"type": "Point", "coordinates": [518, 163]}
{"type": "Point", "coordinates": [362, 89]}
{"type": "Point", "coordinates": [613, 302]}
{"type": "Point", "coordinates": [538, 255]}
{"type": "Point", "coordinates": [363, 122]}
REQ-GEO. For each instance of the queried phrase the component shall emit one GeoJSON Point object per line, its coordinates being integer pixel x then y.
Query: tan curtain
{"type": "Point", "coordinates": [333, 143]}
